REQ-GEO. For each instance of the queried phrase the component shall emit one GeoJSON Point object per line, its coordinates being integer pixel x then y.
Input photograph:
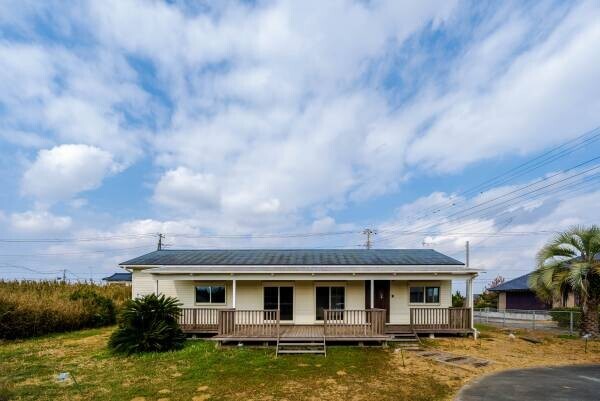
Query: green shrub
{"type": "Point", "coordinates": [101, 310]}
{"type": "Point", "coordinates": [563, 318]}
{"type": "Point", "coordinates": [34, 308]}
{"type": "Point", "coordinates": [148, 324]}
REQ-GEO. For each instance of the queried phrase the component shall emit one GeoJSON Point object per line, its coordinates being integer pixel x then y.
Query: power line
{"type": "Point", "coordinates": [446, 219]}
{"type": "Point", "coordinates": [492, 181]}
{"type": "Point", "coordinates": [74, 239]}
{"type": "Point", "coordinates": [265, 236]}
{"type": "Point", "coordinates": [73, 253]}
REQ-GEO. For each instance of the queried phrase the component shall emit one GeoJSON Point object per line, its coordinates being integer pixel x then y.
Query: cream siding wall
{"type": "Point", "coordinates": [304, 302]}
{"type": "Point", "coordinates": [355, 295]}
{"type": "Point", "coordinates": [250, 295]}
{"type": "Point", "coordinates": [399, 298]}
{"type": "Point", "coordinates": [142, 284]}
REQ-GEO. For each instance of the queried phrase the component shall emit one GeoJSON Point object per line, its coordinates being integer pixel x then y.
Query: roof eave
{"type": "Point", "coordinates": [301, 269]}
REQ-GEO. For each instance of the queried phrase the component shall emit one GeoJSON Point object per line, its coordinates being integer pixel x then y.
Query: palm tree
{"type": "Point", "coordinates": [571, 262]}
{"type": "Point", "coordinates": [148, 324]}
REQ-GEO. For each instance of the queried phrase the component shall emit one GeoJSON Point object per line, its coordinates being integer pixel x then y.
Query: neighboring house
{"type": "Point", "coordinates": [516, 294]}
{"type": "Point", "coordinates": [119, 278]}
{"type": "Point", "coordinates": [361, 295]}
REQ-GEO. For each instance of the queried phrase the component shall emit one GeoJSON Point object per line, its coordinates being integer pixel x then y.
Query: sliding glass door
{"type": "Point", "coordinates": [281, 298]}
{"type": "Point", "coordinates": [333, 297]}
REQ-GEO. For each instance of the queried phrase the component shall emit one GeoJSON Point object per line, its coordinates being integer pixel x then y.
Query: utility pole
{"type": "Point", "coordinates": [467, 254]}
{"type": "Point", "coordinates": [368, 232]}
{"type": "Point", "coordinates": [160, 238]}
{"type": "Point", "coordinates": [64, 275]}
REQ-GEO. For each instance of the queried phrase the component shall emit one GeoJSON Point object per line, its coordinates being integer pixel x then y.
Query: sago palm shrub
{"type": "Point", "coordinates": [569, 262]}
{"type": "Point", "coordinates": [148, 324]}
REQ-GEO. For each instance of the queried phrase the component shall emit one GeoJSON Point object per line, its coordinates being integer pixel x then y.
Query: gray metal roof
{"type": "Point", "coordinates": [293, 257]}
{"type": "Point", "coordinates": [516, 284]}
{"type": "Point", "coordinates": [120, 277]}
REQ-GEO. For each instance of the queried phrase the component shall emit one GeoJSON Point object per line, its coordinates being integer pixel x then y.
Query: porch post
{"type": "Point", "coordinates": [372, 294]}
{"type": "Point", "coordinates": [234, 291]}
{"type": "Point", "coordinates": [470, 302]}
{"type": "Point", "coordinates": [469, 293]}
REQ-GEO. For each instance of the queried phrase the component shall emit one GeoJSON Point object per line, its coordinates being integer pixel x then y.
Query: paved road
{"type": "Point", "coordinates": [569, 383]}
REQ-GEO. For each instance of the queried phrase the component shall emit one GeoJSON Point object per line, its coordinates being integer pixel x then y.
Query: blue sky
{"type": "Point", "coordinates": [122, 119]}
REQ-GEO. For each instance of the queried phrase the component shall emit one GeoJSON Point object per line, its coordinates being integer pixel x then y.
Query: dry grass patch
{"type": "Point", "coordinates": [505, 353]}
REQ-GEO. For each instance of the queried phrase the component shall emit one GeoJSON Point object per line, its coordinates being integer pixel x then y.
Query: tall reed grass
{"type": "Point", "coordinates": [34, 308]}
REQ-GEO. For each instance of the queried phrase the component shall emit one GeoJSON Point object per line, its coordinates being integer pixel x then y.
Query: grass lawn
{"type": "Point", "coordinates": [202, 372]}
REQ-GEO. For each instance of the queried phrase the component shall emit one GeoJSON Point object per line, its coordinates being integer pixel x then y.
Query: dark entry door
{"type": "Point", "coordinates": [382, 296]}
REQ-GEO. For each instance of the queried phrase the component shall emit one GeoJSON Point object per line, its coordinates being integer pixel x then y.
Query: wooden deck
{"type": "Point", "coordinates": [304, 332]}
{"type": "Point", "coordinates": [392, 329]}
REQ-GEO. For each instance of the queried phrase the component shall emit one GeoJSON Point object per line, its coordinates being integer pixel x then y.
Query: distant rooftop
{"type": "Point", "coordinates": [293, 257]}
{"type": "Point", "coordinates": [516, 284]}
{"type": "Point", "coordinates": [118, 277]}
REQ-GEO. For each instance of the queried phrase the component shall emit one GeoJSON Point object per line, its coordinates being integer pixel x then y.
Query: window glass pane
{"type": "Point", "coordinates": [202, 294]}
{"type": "Point", "coordinates": [270, 298]}
{"type": "Point", "coordinates": [337, 298]}
{"type": "Point", "coordinates": [417, 295]}
{"type": "Point", "coordinates": [322, 301]}
{"type": "Point", "coordinates": [217, 294]}
{"type": "Point", "coordinates": [286, 303]}
{"type": "Point", "coordinates": [433, 295]}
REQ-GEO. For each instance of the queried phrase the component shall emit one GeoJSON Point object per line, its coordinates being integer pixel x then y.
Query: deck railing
{"type": "Point", "coordinates": [249, 323]}
{"type": "Point", "coordinates": [199, 319]}
{"type": "Point", "coordinates": [336, 322]}
{"type": "Point", "coordinates": [440, 319]}
{"type": "Point", "coordinates": [354, 322]}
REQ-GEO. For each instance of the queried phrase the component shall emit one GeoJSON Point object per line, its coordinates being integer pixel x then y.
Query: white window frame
{"type": "Point", "coordinates": [424, 287]}
{"type": "Point", "coordinates": [210, 285]}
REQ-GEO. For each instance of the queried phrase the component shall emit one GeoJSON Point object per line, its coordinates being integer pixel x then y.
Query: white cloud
{"type": "Point", "coordinates": [36, 222]}
{"type": "Point", "coordinates": [187, 191]}
{"type": "Point", "coordinates": [25, 139]}
{"type": "Point", "coordinates": [63, 171]}
{"type": "Point", "coordinates": [269, 117]}
{"type": "Point", "coordinates": [545, 95]}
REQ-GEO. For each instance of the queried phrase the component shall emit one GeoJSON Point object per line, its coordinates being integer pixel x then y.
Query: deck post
{"type": "Point", "coordinates": [372, 294]}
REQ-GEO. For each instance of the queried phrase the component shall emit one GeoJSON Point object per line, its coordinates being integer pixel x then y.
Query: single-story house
{"type": "Point", "coordinates": [118, 278]}
{"type": "Point", "coordinates": [341, 295]}
{"type": "Point", "coordinates": [516, 294]}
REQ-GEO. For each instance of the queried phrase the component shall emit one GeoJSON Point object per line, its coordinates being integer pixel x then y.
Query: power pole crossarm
{"type": "Point", "coordinates": [369, 232]}
{"type": "Point", "coordinates": [160, 238]}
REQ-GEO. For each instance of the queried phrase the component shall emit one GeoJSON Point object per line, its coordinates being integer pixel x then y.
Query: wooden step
{"type": "Point", "coordinates": [301, 344]}
{"type": "Point", "coordinates": [289, 346]}
{"type": "Point", "coordinates": [301, 351]}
